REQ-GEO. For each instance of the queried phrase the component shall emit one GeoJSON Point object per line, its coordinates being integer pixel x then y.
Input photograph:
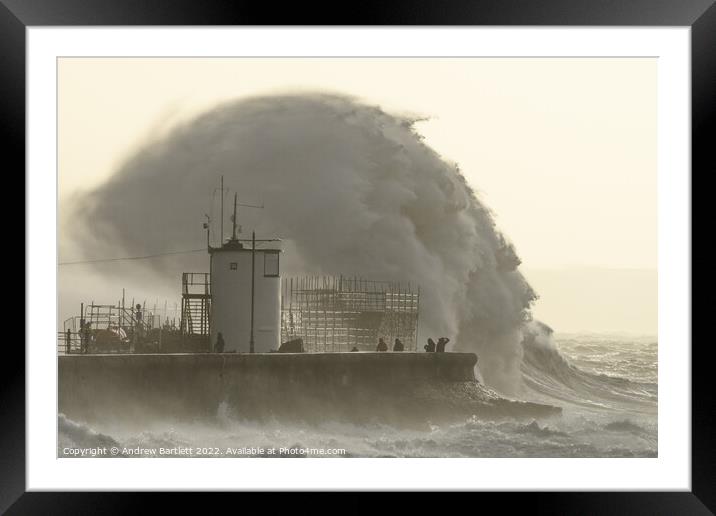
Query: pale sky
{"type": "Point", "coordinates": [562, 150]}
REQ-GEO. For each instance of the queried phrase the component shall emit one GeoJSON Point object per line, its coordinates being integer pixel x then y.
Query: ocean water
{"type": "Point", "coordinates": [606, 386]}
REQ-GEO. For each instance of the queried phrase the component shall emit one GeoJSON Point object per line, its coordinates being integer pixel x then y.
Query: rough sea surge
{"type": "Point", "coordinates": [605, 384]}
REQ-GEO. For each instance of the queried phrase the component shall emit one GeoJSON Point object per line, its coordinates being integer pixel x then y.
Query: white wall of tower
{"type": "Point", "coordinates": [231, 299]}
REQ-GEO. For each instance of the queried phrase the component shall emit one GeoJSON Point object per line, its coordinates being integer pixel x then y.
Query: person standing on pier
{"type": "Point", "coordinates": [442, 342]}
{"type": "Point", "coordinates": [85, 335]}
{"type": "Point", "coordinates": [219, 343]}
{"type": "Point", "coordinates": [382, 346]}
{"type": "Point", "coordinates": [430, 346]}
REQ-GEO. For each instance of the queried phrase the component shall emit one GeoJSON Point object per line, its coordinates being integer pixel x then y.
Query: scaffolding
{"type": "Point", "coordinates": [335, 313]}
{"type": "Point", "coordinates": [112, 328]}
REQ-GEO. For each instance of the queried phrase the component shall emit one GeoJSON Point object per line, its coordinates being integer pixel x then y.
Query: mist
{"type": "Point", "coordinates": [351, 190]}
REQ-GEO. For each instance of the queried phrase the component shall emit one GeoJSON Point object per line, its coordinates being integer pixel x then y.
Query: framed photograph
{"type": "Point", "coordinates": [422, 250]}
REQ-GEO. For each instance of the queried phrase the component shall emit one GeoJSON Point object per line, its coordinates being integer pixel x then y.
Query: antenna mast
{"type": "Point", "coordinates": [207, 226]}
{"type": "Point", "coordinates": [222, 210]}
{"type": "Point", "coordinates": [233, 234]}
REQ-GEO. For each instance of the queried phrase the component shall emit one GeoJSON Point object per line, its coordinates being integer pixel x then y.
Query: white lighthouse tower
{"type": "Point", "coordinates": [246, 294]}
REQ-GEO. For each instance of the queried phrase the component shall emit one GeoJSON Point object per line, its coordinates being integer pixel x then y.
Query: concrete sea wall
{"type": "Point", "coordinates": [386, 387]}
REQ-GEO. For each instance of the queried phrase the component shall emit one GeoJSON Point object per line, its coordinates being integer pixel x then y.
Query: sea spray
{"type": "Point", "coordinates": [350, 188]}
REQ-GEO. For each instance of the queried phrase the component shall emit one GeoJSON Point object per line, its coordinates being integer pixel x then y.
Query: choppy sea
{"type": "Point", "coordinates": [606, 386]}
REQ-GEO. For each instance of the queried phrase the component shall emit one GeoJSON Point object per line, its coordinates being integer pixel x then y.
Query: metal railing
{"type": "Point", "coordinates": [115, 329]}
{"type": "Point", "coordinates": [196, 304]}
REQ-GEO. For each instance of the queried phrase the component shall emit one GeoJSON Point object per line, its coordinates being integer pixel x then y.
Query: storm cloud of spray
{"type": "Point", "coordinates": [350, 189]}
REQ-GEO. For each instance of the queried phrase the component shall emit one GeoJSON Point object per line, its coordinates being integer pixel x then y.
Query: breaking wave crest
{"type": "Point", "coordinates": [548, 375]}
{"type": "Point", "coordinates": [80, 434]}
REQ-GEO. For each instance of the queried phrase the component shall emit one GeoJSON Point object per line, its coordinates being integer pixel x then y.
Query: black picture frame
{"type": "Point", "coordinates": [700, 15]}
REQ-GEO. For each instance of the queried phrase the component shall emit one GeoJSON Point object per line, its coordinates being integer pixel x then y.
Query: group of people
{"type": "Point", "coordinates": [382, 346]}
{"type": "Point", "coordinates": [431, 347]}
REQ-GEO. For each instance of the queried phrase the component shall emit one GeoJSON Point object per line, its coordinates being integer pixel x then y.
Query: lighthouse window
{"type": "Point", "coordinates": [271, 264]}
{"type": "Point", "coordinates": [233, 266]}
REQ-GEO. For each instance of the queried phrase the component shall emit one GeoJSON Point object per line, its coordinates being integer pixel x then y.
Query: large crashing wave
{"type": "Point", "coordinates": [351, 189]}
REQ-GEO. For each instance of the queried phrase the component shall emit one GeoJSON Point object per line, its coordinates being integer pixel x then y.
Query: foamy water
{"type": "Point", "coordinates": [606, 385]}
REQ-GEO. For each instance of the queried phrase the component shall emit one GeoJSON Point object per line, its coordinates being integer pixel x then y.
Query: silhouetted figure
{"type": "Point", "coordinates": [138, 331]}
{"type": "Point", "coordinates": [68, 341]}
{"type": "Point", "coordinates": [442, 341]}
{"type": "Point", "coordinates": [85, 331]}
{"type": "Point", "coordinates": [430, 346]}
{"type": "Point", "coordinates": [82, 335]}
{"type": "Point", "coordinates": [398, 346]}
{"type": "Point", "coordinates": [382, 346]}
{"type": "Point", "coordinates": [354, 349]}
{"type": "Point", "coordinates": [219, 343]}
